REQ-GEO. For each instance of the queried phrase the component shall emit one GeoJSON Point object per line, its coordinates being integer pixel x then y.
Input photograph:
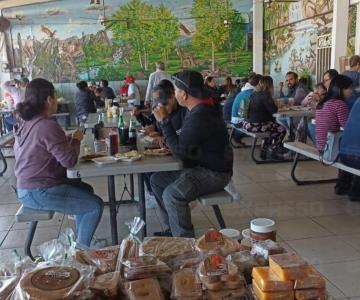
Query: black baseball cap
{"type": "Point", "coordinates": [191, 82]}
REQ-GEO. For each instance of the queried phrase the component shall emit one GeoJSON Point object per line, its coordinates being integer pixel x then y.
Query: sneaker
{"type": "Point", "coordinates": [231, 189]}
{"type": "Point", "coordinates": [98, 243]}
{"type": "Point", "coordinates": [150, 201]}
{"type": "Point", "coordinates": [163, 233]}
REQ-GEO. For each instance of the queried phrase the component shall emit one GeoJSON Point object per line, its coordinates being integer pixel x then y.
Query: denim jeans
{"type": "Point", "coordinates": [175, 190]}
{"type": "Point", "coordinates": [9, 121]}
{"type": "Point", "coordinates": [73, 197]}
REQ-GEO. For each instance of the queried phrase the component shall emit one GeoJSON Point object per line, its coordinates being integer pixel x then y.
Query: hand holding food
{"type": "Point", "coordinates": [160, 112]}
{"type": "Point", "coordinates": [77, 135]}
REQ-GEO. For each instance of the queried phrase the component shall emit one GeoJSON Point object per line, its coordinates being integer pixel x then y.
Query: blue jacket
{"type": "Point", "coordinates": [350, 141]}
{"type": "Point", "coordinates": [355, 77]}
{"type": "Point", "coordinates": [235, 108]}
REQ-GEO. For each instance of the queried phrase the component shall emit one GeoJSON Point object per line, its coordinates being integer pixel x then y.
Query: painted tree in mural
{"type": "Point", "coordinates": [166, 29]}
{"type": "Point", "coordinates": [147, 29]}
{"type": "Point", "coordinates": [237, 27]}
{"type": "Point", "coordinates": [211, 34]}
{"type": "Point", "coordinates": [97, 53]}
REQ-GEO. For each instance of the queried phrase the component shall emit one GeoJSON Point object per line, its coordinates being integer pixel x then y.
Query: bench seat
{"type": "Point", "coordinates": [313, 153]}
{"type": "Point", "coordinates": [259, 135]}
{"type": "Point", "coordinates": [25, 214]}
{"type": "Point", "coordinates": [214, 200]}
{"type": "Point", "coordinates": [218, 198]}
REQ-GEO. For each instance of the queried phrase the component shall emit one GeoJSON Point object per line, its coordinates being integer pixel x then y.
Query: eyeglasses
{"type": "Point", "coordinates": [175, 78]}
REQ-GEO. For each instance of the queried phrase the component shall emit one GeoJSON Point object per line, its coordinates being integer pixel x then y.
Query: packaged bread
{"type": "Point", "coordinates": [310, 294]}
{"type": "Point", "coordinates": [167, 248]}
{"type": "Point", "coordinates": [7, 285]}
{"type": "Point", "coordinates": [287, 266]}
{"type": "Point", "coordinates": [53, 283]}
{"type": "Point", "coordinates": [186, 285]}
{"type": "Point", "coordinates": [312, 279]}
{"type": "Point", "coordinates": [216, 273]}
{"type": "Point", "coordinates": [268, 281]}
{"type": "Point", "coordinates": [103, 259]}
{"type": "Point", "coordinates": [266, 248]}
{"type": "Point", "coordinates": [144, 267]}
{"type": "Point", "coordinates": [106, 285]}
{"type": "Point", "coordinates": [245, 262]}
{"type": "Point", "coordinates": [144, 289]}
{"type": "Point", "coordinates": [214, 241]}
{"type": "Point", "coordinates": [131, 244]}
{"type": "Point", "coordinates": [227, 294]}
{"type": "Point", "coordinates": [245, 244]}
{"type": "Point", "coordinates": [261, 295]}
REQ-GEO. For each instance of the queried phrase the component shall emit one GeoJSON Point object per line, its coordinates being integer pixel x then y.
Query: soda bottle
{"type": "Point", "coordinates": [132, 135]}
{"type": "Point", "coordinates": [113, 142]}
{"type": "Point", "coordinates": [123, 130]}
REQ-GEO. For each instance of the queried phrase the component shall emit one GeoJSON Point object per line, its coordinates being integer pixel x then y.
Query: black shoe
{"type": "Point", "coordinates": [354, 195]}
{"type": "Point", "coordinates": [341, 190]}
{"type": "Point", "coordinates": [163, 233]}
{"type": "Point", "coordinates": [354, 198]}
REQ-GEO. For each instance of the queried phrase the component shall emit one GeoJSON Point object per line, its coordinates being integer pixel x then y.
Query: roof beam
{"type": "Point", "coordinates": [14, 3]}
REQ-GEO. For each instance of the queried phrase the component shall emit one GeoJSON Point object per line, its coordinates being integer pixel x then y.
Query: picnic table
{"type": "Point", "coordinates": [146, 165]}
{"type": "Point", "coordinates": [298, 112]}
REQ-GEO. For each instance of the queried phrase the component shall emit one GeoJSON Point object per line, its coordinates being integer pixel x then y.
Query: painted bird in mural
{"type": "Point", "coordinates": [48, 32]}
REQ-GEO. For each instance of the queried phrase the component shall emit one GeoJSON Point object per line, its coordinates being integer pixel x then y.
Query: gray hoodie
{"type": "Point", "coordinates": [42, 153]}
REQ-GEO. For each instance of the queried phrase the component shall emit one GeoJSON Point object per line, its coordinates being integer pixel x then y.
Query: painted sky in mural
{"type": "Point", "coordinates": [80, 14]}
{"type": "Point", "coordinates": [65, 40]}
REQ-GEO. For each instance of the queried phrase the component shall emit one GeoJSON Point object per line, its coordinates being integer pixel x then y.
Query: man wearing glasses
{"type": "Point", "coordinates": [204, 148]}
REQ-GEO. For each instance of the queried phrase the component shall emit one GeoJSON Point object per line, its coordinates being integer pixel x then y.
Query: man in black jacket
{"type": "Point", "coordinates": [203, 147]}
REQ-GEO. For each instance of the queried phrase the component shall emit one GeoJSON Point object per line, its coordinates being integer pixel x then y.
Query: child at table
{"type": "Point", "coordinates": [311, 100]}
{"type": "Point", "coordinates": [42, 154]}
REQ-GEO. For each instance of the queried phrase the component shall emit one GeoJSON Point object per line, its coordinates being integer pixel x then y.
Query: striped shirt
{"type": "Point", "coordinates": [330, 118]}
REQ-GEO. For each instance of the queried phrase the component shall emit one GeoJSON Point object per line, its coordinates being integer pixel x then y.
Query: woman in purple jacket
{"type": "Point", "coordinates": [43, 153]}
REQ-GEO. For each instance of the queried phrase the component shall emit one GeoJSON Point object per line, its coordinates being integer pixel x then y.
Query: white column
{"type": "Point", "coordinates": [339, 31]}
{"type": "Point", "coordinates": [357, 35]}
{"type": "Point", "coordinates": [258, 36]}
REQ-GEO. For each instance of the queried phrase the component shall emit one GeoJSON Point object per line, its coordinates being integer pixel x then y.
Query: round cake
{"type": "Point", "coordinates": [51, 283]}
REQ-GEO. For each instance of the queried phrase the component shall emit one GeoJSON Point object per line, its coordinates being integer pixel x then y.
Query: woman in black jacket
{"type": "Point", "coordinates": [84, 101]}
{"type": "Point", "coordinates": [260, 117]}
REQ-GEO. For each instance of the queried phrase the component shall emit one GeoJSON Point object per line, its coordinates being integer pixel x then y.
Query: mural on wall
{"type": "Point", "coordinates": [291, 32]}
{"type": "Point", "coordinates": [352, 30]}
{"type": "Point", "coordinates": [111, 38]}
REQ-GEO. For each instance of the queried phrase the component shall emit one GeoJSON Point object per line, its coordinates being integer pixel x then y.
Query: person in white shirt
{"type": "Point", "coordinates": [16, 88]}
{"type": "Point", "coordinates": [154, 79]}
{"type": "Point", "coordinates": [133, 94]}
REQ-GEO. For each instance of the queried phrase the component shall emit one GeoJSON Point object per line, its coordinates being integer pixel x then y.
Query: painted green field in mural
{"type": "Point", "coordinates": [241, 66]}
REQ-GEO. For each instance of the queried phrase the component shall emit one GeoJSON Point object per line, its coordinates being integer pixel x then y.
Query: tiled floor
{"type": "Point", "coordinates": [311, 220]}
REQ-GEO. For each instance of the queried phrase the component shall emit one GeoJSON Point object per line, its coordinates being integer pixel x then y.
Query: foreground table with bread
{"type": "Point", "coordinates": [213, 267]}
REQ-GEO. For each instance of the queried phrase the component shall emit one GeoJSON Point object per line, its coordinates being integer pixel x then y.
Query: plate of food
{"type": "Point", "coordinates": [91, 156]}
{"type": "Point", "coordinates": [128, 156]}
{"type": "Point", "coordinates": [104, 160]}
{"type": "Point", "coordinates": [157, 152]}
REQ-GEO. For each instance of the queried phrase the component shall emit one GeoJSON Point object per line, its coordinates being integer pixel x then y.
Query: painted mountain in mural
{"type": "Point", "coordinates": [54, 58]}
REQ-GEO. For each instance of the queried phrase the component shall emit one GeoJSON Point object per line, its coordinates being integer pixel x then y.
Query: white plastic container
{"type": "Point", "coordinates": [231, 233]}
